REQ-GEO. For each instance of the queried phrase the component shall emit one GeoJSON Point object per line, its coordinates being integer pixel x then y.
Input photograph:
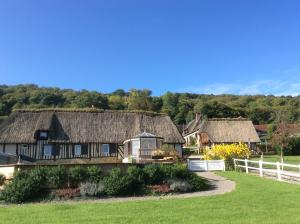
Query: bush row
{"type": "Point", "coordinates": [92, 182]}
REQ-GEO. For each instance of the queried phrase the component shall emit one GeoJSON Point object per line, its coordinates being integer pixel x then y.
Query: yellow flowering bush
{"type": "Point", "coordinates": [227, 152]}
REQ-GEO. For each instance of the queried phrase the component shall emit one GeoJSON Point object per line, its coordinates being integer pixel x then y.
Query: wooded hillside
{"type": "Point", "coordinates": [180, 106]}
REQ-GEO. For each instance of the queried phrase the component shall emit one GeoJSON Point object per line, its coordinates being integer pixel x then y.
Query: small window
{"type": "Point", "coordinates": [43, 134]}
{"type": "Point", "coordinates": [105, 149]}
{"type": "Point", "coordinates": [48, 150]}
{"type": "Point", "coordinates": [77, 150]}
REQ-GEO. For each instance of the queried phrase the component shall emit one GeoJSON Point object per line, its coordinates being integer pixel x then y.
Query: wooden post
{"type": "Point", "coordinates": [260, 168]}
{"type": "Point", "coordinates": [206, 165]}
{"type": "Point", "coordinates": [278, 171]}
{"type": "Point", "coordinates": [246, 165]}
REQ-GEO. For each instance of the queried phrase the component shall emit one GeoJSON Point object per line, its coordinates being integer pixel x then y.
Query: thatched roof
{"type": "Point", "coordinates": [224, 130]}
{"type": "Point", "coordinates": [86, 126]}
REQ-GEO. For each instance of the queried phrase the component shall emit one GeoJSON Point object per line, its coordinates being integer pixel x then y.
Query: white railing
{"type": "Point", "coordinates": [278, 168]}
{"type": "Point", "coordinates": [205, 165]}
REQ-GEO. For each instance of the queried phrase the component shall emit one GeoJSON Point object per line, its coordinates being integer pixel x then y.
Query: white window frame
{"type": "Point", "coordinates": [105, 151]}
{"type": "Point", "coordinates": [77, 150]}
{"type": "Point", "coordinates": [43, 134]}
{"type": "Point", "coordinates": [150, 143]}
{"type": "Point", "coordinates": [48, 150]}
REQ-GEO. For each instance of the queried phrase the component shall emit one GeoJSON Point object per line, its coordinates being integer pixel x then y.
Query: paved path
{"type": "Point", "coordinates": [220, 185]}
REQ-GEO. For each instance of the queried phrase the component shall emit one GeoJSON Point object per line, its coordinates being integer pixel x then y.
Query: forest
{"type": "Point", "coordinates": [181, 107]}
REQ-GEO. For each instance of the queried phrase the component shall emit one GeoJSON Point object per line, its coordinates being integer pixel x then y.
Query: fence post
{"type": "Point", "coordinates": [246, 165]}
{"type": "Point", "coordinates": [278, 171]}
{"type": "Point", "coordinates": [224, 168]}
{"type": "Point", "coordinates": [234, 163]}
{"type": "Point", "coordinates": [260, 168]}
{"type": "Point", "coordinates": [188, 164]}
{"type": "Point", "coordinates": [206, 165]}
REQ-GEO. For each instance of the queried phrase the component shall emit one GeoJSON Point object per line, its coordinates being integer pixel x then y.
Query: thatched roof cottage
{"type": "Point", "coordinates": [61, 134]}
{"type": "Point", "coordinates": [204, 132]}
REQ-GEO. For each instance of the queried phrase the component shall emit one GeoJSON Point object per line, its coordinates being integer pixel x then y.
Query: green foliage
{"type": "Point", "coordinates": [181, 107]}
{"type": "Point", "coordinates": [94, 174]}
{"type": "Point", "coordinates": [24, 187]}
{"type": "Point", "coordinates": [153, 174]}
{"type": "Point", "coordinates": [2, 179]}
{"type": "Point", "coordinates": [77, 175]}
{"type": "Point", "coordinates": [56, 176]}
{"type": "Point", "coordinates": [291, 149]}
{"type": "Point", "coordinates": [117, 183]}
{"type": "Point", "coordinates": [197, 183]}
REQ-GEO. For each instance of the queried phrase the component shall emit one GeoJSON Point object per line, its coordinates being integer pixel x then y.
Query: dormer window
{"type": "Point", "coordinates": [41, 135]}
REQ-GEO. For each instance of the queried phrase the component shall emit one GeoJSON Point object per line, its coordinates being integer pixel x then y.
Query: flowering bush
{"type": "Point", "coordinates": [227, 152]}
{"type": "Point", "coordinates": [162, 188]}
{"type": "Point", "coordinates": [67, 193]}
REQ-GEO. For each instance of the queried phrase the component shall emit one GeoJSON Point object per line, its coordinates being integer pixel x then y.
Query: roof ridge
{"type": "Point", "coordinates": [87, 110]}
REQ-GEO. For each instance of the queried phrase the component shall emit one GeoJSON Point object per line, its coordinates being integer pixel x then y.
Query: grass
{"type": "Point", "coordinates": [255, 200]}
{"type": "Point", "coordinates": [287, 159]}
{"type": "Point", "coordinates": [295, 160]}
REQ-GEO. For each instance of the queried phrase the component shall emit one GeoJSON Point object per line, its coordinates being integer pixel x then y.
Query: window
{"type": "Point", "coordinates": [148, 143]}
{"type": "Point", "coordinates": [24, 146]}
{"type": "Point", "coordinates": [48, 150]}
{"type": "Point", "coordinates": [43, 134]}
{"type": "Point", "coordinates": [77, 150]}
{"type": "Point", "coordinates": [105, 149]}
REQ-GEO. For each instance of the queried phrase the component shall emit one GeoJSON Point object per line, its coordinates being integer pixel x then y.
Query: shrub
{"type": "Point", "coordinates": [227, 152]}
{"type": "Point", "coordinates": [24, 187]}
{"type": "Point", "coordinates": [137, 178]}
{"type": "Point", "coordinates": [117, 183]}
{"type": "Point", "coordinates": [94, 174]}
{"type": "Point", "coordinates": [197, 183]}
{"type": "Point", "coordinates": [154, 174]}
{"type": "Point", "coordinates": [56, 176]}
{"type": "Point", "coordinates": [67, 193]}
{"type": "Point", "coordinates": [2, 179]}
{"type": "Point", "coordinates": [292, 147]}
{"type": "Point", "coordinates": [77, 175]}
{"type": "Point", "coordinates": [180, 171]}
{"type": "Point", "coordinates": [91, 189]}
{"type": "Point", "coordinates": [180, 186]}
{"type": "Point", "coordinates": [162, 189]}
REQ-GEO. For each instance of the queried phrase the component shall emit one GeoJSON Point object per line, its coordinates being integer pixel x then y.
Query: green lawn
{"type": "Point", "coordinates": [256, 200]}
{"type": "Point", "coordinates": [295, 160]}
{"type": "Point", "coordinates": [287, 159]}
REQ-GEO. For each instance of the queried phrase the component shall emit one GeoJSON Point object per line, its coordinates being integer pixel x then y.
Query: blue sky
{"type": "Point", "coordinates": [200, 46]}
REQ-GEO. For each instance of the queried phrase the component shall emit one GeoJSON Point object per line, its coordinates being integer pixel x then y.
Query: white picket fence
{"type": "Point", "coordinates": [278, 170]}
{"type": "Point", "coordinates": [205, 165]}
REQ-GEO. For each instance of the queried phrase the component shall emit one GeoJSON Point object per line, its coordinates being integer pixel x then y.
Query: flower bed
{"type": "Point", "coordinates": [56, 184]}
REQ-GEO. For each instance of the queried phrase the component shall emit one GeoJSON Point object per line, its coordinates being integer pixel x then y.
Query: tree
{"type": "Point", "coordinates": [116, 102]}
{"type": "Point", "coordinates": [140, 100]}
{"type": "Point", "coordinates": [170, 101]}
{"type": "Point", "coordinates": [281, 134]}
